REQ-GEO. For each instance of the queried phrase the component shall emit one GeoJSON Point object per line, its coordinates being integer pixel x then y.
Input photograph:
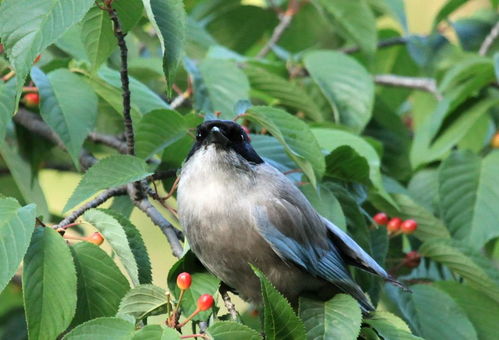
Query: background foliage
{"type": "Point", "coordinates": [361, 112]}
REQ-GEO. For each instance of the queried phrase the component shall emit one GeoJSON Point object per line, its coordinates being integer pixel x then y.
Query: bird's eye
{"type": "Point", "coordinates": [242, 138]}
{"type": "Point", "coordinates": [199, 136]}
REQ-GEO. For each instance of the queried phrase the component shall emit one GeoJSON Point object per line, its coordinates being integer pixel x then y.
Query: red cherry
{"type": "Point", "coordinates": [184, 280]}
{"type": "Point", "coordinates": [412, 259]}
{"type": "Point", "coordinates": [495, 141]}
{"type": "Point", "coordinates": [394, 224]}
{"type": "Point", "coordinates": [205, 302]}
{"type": "Point", "coordinates": [408, 226]}
{"type": "Point", "coordinates": [96, 238]}
{"type": "Point", "coordinates": [381, 218]}
{"type": "Point", "coordinates": [31, 99]}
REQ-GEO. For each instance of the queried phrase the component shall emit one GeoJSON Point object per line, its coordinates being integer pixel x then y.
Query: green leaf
{"type": "Point", "coordinates": [202, 283]}
{"type": "Point", "coordinates": [109, 172]}
{"type": "Point", "coordinates": [168, 18]}
{"type": "Point", "coordinates": [480, 309]}
{"type": "Point", "coordinates": [423, 188]}
{"type": "Point", "coordinates": [447, 10]}
{"type": "Point", "coordinates": [142, 97]}
{"type": "Point", "coordinates": [26, 180]}
{"type": "Point", "coordinates": [333, 141]}
{"type": "Point", "coordinates": [279, 319]}
{"type": "Point", "coordinates": [338, 318]}
{"type": "Point", "coordinates": [25, 34]}
{"type": "Point", "coordinates": [433, 314]}
{"type": "Point", "coordinates": [129, 12]}
{"type": "Point", "coordinates": [49, 285]}
{"type": "Point", "coordinates": [228, 330]}
{"type": "Point", "coordinates": [429, 226]}
{"type": "Point", "coordinates": [114, 233]}
{"type": "Point", "coordinates": [16, 226]}
{"type": "Point", "coordinates": [467, 189]}
{"type": "Point", "coordinates": [272, 152]}
{"type": "Point", "coordinates": [156, 332]}
{"type": "Point", "coordinates": [157, 130]}
{"type": "Point", "coordinates": [361, 27]}
{"type": "Point", "coordinates": [102, 329]}
{"type": "Point", "coordinates": [295, 136]}
{"type": "Point", "coordinates": [346, 85]}
{"type": "Point", "coordinates": [7, 105]}
{"type": "Point", "coordinates": [289, 94]}
{"type": "Point", "coordinates": [101, 285]}
{"type": "Point", "coordinates": [68, 105]}
{"type": "Point", "coordinates": [137, 245]}
{"type": "Point", "coordinates": [460, 258]}
{"type": "Point", "coordinates": [144, 300]}
{"type": "Point", "coordinates": [98, 36]}
{"type": "Point", "coordinates": [325, 202]}
{"type": "Point", "coordinates": [224, 84]}
{"type": "Point", "coordinates": [390, 327]}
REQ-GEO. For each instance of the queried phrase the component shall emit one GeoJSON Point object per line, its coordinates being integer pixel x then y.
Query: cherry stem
{"type": "Point", "coordinates": [194, 336]}
{"type": "Point", "coordinates": [70, 225]}
{"type": "Point", "coordinates": [189, 318]}
{"type": "Point", "coordinates": [182, 291]}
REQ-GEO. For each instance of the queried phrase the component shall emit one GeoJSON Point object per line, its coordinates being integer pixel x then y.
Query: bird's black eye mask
{"type": "Point", "coordinates": [236, 139]}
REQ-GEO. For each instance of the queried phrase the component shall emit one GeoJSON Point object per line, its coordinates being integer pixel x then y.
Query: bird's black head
{"type": "Point", "coordinates": [227, 135]}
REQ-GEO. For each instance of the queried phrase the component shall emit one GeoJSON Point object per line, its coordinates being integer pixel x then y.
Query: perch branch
{"type": "Point", "coordinates": [284, 22]}
{"type": "Point", "coordinates": [103, 197]}
{"type": "Point", "coordinates": [423, 84]}
{"type": "Point", "coordinates": [489, 40]}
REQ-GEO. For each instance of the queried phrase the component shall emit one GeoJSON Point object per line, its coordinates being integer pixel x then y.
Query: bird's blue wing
{"type": "Point", "coordinates": [320, 259]}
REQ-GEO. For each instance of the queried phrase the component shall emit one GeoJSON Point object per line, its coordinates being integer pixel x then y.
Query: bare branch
{"type": "Point", "coordinates": [120, 36]}
{"type": "Point", "coordinates": [163, 174]}
{"type": "Point", "coordinates": [162, 223]}
{"type": "Point", "coordinates": [108, 140]}
{"type": "Point", "coordinates": [489, 40]}
{"type": "Point", "coordinates": [423, 84]}
{"type": "Point", "coordinates": [103, 197]}
{"type": "Point", "coordinates": [228, 302]}
{"type": "Point", "coordinates": [381, 44]}
{"type": "Point", "coordinates": [284, 21]}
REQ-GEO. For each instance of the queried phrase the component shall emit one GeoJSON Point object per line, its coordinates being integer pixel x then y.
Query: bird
{"type": "Point", "coordinates": [238, 211]}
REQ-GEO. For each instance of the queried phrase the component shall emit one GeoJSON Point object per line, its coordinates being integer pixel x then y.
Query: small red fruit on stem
{"type": "Point", "coordinates": [394, 224]}
{"type": "Point", "coordinates": [184, 280]}
{"type": "Point", "coordinates": [381, 218]}
{"type": "Point", "coordinates": [495, 141]}
{"type": "Point", "coordinates": [408, 226]}
{"type": "Point", "coordinates": [412, 259]}
{"type": "Point", "coordinates": [205, 302]}
{"type": "Point", "coordinates": [31, 99]}
{"type": "Point", "coordinates": [96, 238]}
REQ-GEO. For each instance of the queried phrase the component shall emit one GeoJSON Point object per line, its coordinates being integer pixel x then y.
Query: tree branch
{"type": "Point", "coordinates": [228, 303]}
{"type": "Point", "coordinates": [284, 21]}
{"type": "Point", "coordinates": [423, 84]}
{"type": "Point", "coordinates": [162, 223]}
{"type": "Point", "coordinates": [489, 40]}
{"type": "Point", "coordinates": [120, 36]}
{"type": "Point", "coordinates": [381, 44]}
{"type": "Point", "coordinates": [103, 197]}
{"type": "Point", "coordinates": [108, 140]}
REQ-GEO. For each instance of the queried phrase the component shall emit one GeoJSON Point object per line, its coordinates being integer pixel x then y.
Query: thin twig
{"type": "Point", "coordinates": [103, 197]}
{"type": "Point", "coordinates": [120, 36]}
{"type": "Point", "coordinates": [489, 40]}
{"type": "Point", "coordinates": [108, 140]}
{"type": "Point", "coordinates": [228, 303]}
{"type": "Point", "coordinates": [180, 99]}
{"type": "Point", "coordinates": [162, 223]}
{"type": "Point", "coordinates": [284, 21]}
{"type": "Point", "coordinates": [381, 44]}
{"type": "Point", "coordinates": [423, 84]}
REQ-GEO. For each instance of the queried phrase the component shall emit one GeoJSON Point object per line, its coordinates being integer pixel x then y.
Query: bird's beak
{"type": "Point", "coordinates": [217, 136]}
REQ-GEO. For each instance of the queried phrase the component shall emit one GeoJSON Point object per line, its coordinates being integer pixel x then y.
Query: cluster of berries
{"type": "Point", "coordinates": [395, 224]}
{"type": "Point", "coordinates": [205, 302]}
